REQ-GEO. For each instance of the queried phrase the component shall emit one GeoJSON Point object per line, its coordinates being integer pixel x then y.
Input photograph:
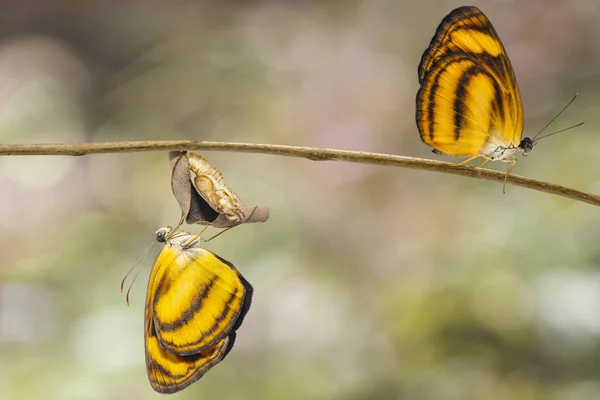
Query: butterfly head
{"type": "Point", "coordinates": [162, 234]}
{"type": "Point", "coordinates": [526, 145]}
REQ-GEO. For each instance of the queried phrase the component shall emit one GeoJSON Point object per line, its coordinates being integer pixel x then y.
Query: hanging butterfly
{"type": "Point", "coordinates": [194, 304]}
{"type": "Point", "coordinates": [468, 103]}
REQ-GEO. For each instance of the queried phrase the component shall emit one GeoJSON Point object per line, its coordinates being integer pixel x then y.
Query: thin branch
{"type": "Point", "coordinates": [311, 153]}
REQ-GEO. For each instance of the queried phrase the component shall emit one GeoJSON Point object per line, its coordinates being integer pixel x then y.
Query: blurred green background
{"type": "Point", "coordinates": [370, 282]}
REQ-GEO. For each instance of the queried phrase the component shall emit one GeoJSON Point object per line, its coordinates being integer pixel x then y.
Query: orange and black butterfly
{"type": "Point", "coordinates": [469, 103]}
{"type": "Point", "coordinates": [194, 304]}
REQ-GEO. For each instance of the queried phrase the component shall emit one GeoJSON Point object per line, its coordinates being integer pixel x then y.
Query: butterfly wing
{"type": "Point", "coordinates": [170, 373]}
{"type": "Point", "coordinates": [469, 97]}
{"type": "Point", "coordinates": [179, 348]}
{"type": "Point", "coordinates": [197, 299]}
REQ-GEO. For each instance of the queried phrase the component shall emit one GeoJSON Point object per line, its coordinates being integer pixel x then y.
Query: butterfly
{"type": "Point", "coordinates": [195, 302]}
{"type": "Point", "coordinates": [468, 103]}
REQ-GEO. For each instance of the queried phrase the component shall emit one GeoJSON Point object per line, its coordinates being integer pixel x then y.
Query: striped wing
{"type": "Point", "coordinates": [469, 97]}
{"type": "Point", "coordinates": [196, 298]}
{"type": "Point", "coordinates": [194, 304]}
{"type": "Point", "coordinates": [170, 373]}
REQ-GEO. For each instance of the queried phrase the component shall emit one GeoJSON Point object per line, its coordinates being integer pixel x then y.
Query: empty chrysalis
{"type": "Point", "coordinates": [203, 196]}
{"type": "Point", "coordinates": [210, 184]}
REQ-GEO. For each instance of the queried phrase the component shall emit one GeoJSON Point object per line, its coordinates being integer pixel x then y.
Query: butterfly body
{"type": "Point", "coordinates": [194, 304]}
{"type": "Point", "coordinates": [498, 151]}
{"type": "Point", "coordinates": [468, 103]}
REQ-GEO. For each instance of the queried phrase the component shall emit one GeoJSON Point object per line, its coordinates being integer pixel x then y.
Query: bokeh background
{"type": "Point", "coordinates": [370, 282]}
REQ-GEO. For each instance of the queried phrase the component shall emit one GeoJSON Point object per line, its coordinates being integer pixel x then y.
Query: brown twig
{"type": "Point", "coordinates": [311, 153]}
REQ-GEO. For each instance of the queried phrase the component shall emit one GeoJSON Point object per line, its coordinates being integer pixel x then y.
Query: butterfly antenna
{"type": "Point", "coordinates": [562, 130]}
{"type": "Point", "coordinates": [131, 284]}
{"type": "Point", "coordinates": [553, 119]}
{"type": "Point", "coordinates": [139, 262]}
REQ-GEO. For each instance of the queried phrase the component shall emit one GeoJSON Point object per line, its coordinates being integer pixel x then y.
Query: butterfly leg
{"type": "Point", "coordinates": [192, 239]}
{"type": "Point", "coordinates": [172, 231]}
{"type": "Point", "coordinates": [243, 219]}
{"type": "Point", "coordinates": [218, 234]}
{"type": "Point", "coordinates": [467, 160]}
{"type": "Point", "coordinates": [508, 170]}
{"type": "Point", "coordinates": [485, 161]}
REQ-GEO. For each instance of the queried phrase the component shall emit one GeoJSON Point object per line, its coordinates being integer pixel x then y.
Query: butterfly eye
{"type": "Point", "coordinates": [526, 145]}
{"type": "Point", "coordinates": [162, 233]}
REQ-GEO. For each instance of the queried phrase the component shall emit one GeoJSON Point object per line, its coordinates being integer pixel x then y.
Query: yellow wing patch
{"type": "Point", "coordinates": [469, 103]}
{"type": "Point", "coordinates": [194, 304]}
